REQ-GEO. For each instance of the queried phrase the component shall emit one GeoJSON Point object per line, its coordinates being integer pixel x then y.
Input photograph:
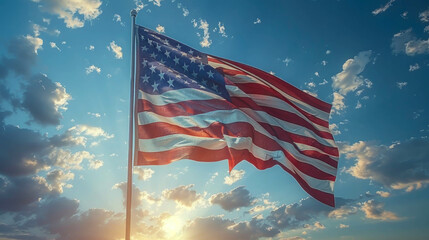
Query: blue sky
{"type": "Point", "coordinates": [64, 100]}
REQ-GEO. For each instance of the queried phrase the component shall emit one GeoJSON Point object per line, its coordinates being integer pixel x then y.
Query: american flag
{"type": "Point", "coordinates": [191, 105]}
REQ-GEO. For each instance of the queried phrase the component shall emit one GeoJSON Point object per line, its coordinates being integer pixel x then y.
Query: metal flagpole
{"type": "Point", "coordinates": [130, 140]}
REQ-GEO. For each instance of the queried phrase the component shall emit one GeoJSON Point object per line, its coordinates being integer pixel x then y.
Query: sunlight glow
{"type": "Point", "coordinates": [172, 226]}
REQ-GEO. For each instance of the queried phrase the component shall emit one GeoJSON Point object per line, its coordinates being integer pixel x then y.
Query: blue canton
{"type": "Point", "coordinates": [164, 64]}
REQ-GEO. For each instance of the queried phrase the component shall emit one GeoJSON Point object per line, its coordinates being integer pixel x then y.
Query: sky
{"type": "Point", "coordinates": [64, 112]}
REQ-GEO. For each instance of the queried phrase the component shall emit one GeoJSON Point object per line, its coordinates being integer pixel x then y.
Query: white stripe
{"type": "Point", "coordinates": [175, 96]}
{"type": "Point", "coordinates": [226, 117]}
{"type": "Point", "coordinates": [269, 101]}
{"type": "Point", "coordinates": [170, 142]}
{"type": "Point", "coordinates": [305, 147]}
{"type": "Point", "coordinates": [255, 79]}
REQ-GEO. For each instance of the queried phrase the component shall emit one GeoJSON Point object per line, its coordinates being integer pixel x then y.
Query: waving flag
{"type": "Point", "coordinates": [195, 106]}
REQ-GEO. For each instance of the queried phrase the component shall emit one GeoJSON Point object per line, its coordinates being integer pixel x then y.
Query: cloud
{"type": "Point", "coordinates": [287, 61]}
{"type": "Point", "coordinates": [70, 10]}
{"type": "Point", "coordinates": [117, 18]}
{"type": "Point", "coordinates": [374, 210]}
{"type": "Point", "coordinates": [160, 29]}
{"type": "Point", "coordinates": [53, 210]}
{"type": "Point", "coordinates": [222, 30]}
{"type": "Point", "coordinates": [258, 21]}
{"type": "Point", "coordinates": [338, 103]}
{"type": "Point", "coordinates": [87, 130]}
{"type": "Point", "coordinates": [343, 211]}
{"type": "Point", "coordinates": [406, 42]}
{"type": "Point", "coordinates": [182, 195]}
{"type": "Point", "coordinates": [117, 50]}
{"type": "Point", "coordinates": [349, 79]}
{"type": "Point", "coordinates": [334, 129]}
{"type": "Point", "coordinates": [215, 227]}
{"type": "Point", "coordinates": [67, 159]}
{"type": "Point", "coordinates": [236, 198]}
{"type": "Point", "coordinates": [185, 12]}
{"type": "Point", "coordinates": [156, 2]}
{"type": "Point", "coordinates": [93, 68]}
{"type": "Point", "coordinates": [143, 173]}
{"type": "Point", "coordinates": [414, 67]}
{"type": "Point", "coordinates": [95, 164]}
{"type": "Point", "coordinates": [383, 194]}
{"type": "Point", "coordinates": [57, 180]}
{"type": "Point", "coordinates": [384, 8]}
{"type": "Point", "coordinates": [35, 41]}
{"type": "Point", "coordinates": [54, 45]}
{"type": "Point", "coordinates": [401, 84]}
{"type": "Point", "coordinates": [234, 176]}
{"type": "Point", "coordinates": [139, 5]}
{"type": "Point", "coordinates": [344, 225]}
{"type": "Point", "coordinates": [424, 16]}
{"type": "Point", "coordinates": [203, 25]}
{"type": "Point", "coordinates": [399, 166]}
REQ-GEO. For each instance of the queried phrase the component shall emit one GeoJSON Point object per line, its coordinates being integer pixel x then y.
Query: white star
{"type": "Point", "coordinates": [204, 82]}
{"type": "Point", "coordinates": [144, 63]}
{"type": "Point", "coordinates": [201, 66]}
{"type": "Point", "coordinates": [179, 47]}
{"type": "Point", "coordinates": [161, 75]}
{"type": "Point", "coordinates": [149, 41]}
{"type": "Point", "coordinates": [176, 60]}
{"type": "Point", "coordinates": [210, 73]}
{"type": "Point", "coordinates": [166, 42]}
{"type": "Point", "coordinates": [145, 78]}
{"type": "Point", "coordinates": [158, 47]}
{"type": "Point", "coordinates": [144, 48]}
{"type": "Point", "coordinates": [142, 37]}
{"type": "Point", "coordinates": [153, 55]}
{"type": "Point", "coordinates": [194, 74]}
{"type": "Point", "coordinates": [170, 82]}
{"type": "Point", "coordinates": [192, 60]}
{"type": "Point", "coordinates": [185, 67]}
{"type": "Point", "coordinates": [152, 68]}
{"type": "Point", "coordinates": [155, 86]}
{"type": "Point", "coordinates": [215, 87]}
{"type": "Point", "coordinates": [191, 51]}
{"type": "Point", "coordinates": [167, 53]}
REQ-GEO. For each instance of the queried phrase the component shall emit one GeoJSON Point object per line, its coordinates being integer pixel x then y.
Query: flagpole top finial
{"type": "Point", "coordinates": [133, 13]}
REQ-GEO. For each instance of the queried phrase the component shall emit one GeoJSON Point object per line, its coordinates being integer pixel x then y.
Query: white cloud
{"type": "Point", "coordinates": [358, 105]}
{"type": "Point", "coordinates": [206, 42]}
{"type": "Point", "coordinates": [424, 16]}
{"type": "Point", "coordinates": [92, 68]}
{"type": "Point", "coordinates": [46, 20]}
{"type": "Point", "coordinates": [374, 210]}
{"type": "Point", "coordinates": [54, 45]}
{"type": "Point", "coordinates": [316, 74]}
{"type": "Point", "coordinates": [185, 12]}
{"type": "Point", "coordinates": [95, 164]}
{"type": "Point", "coordinates": [383, 194]}
{"type": "Point", "coordinates": [143, 173]}
{"type": "Point", "coordinates": [349, 79]}
{"type": "Point", "coordinates": [115, 49]}
{"type": "Point", "coordinates": [324, 63]}
{"type": "Point", "coordinates": [328, 52]}
{"type": "Point", "coordinates": [344, 225]}
{"type": "Point", "coordinates": [139, 5]}
{"type": "Point", "coordinates": [70, 10]}
{"type": "Point", "coordinates": [87, 130]}
{"type": "Point", "coordinates": [406, 42]}
{"type": "Point", "coordinates": [234, 176]}
{"type": "Point", "coordinates": [160, 29]}
{"type": "Point", "coordinates": [183, 195]}
{"type": "Point", "coordinates": [35, 41]}
{"type": "Point", "coordinates": [222, 29]}
{"type": "Point", "coordinates": [384, 8]}
{"type": "Point", "coordinates": [314, 94]}
{"type": "Point", "coordinates": [97, 115]}
{"type": "Point", "coordinates": [401, 84]}
{"type": "Point", "coordinates": [414, 67]}
{"type": "Point", "coordinates": [334, 129]}
{"type": "Point", "coordinates": [310, 85]}
{"type": "Point", "coordinates": [287, 61]}
{"type": "Point", "coordinates": [91, 47]}
{"type": "Point", "coordinates": [156, 2]}
{"type": "Point", "coordinates": [58, 179]}
{"type": "Point", "coordinates": [258, 21]}
{"type": "Point", "coordinates": [404, 15]}
{"type": "Point", "coordinates": [338, 103]}
{"type": "Point", "coordinates": [323, 82]}
{"type": "Point", "coordinates": [117, 18]}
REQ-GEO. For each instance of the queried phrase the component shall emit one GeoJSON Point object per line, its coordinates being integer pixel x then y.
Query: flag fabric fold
{"type": "Point", "coordinates": [191, 105]}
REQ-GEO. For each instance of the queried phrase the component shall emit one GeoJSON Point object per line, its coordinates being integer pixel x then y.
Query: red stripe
{"type": "Point", "coordinates": [255, 88]}
{"type": "Point", "coordinates": [282, 85]}
{"type": "Point", "coordinates": [235, 156]}
{"type": "Point", "coordinates": [286, 116]}
{"type": "Point", "coordinates": [219, 130]}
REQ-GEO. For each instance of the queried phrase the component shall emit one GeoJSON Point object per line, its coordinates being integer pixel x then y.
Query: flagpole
{"type": "Point", "coordinates": [130, 140]}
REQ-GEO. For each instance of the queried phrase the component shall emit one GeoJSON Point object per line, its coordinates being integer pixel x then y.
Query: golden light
{"type": "Point", "coordinates": [172, 226]}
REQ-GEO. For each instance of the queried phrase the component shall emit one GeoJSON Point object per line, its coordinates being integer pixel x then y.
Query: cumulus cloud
{"type": "Point", "coordinates": [67, 159]}
{"type": "Point", "coordinates": [156, 2]}
{"type": "Point", "coordinates": [216, 227]}
{"type": "Point", "coordinates": [95, 164]}
{"type": "Point", "coordinates": [349, 79]}
{"type": "Point", "coordinates": [143, 173]}
{"type": "Point", "coordinates": [399, 166]}
{"type": "Point", "coordinates": [234, 176]}
{"type": "Point", "coordinates": [406, 42]}
{"type": "Point", "coordinates": [344, 225]}
{"type": "Point", "coordinates": [117, 18]}
{"type": "Point", "coordinates": [44, 99]}
{"type": "Point", "coordinates": [236, 198]}
{"type": "Point", "coordinates": [92, 131]}
{"type": "Point", "coordinates": [222, 29]}
{"type": "Point", "coordinates": [58, 179]}
{"type": "Point", "coordinates": [338, 103]}
{"type": "Point", "coordinates": [384, 8]}
{"type": "Point", "coordinates": [383, 194]}
{"type": "Point", "coordinates": [92, 68]}
{"type": "Point", "coordinates": [257, 21]}
{"type": "Point", "coordinates": [203, 25]}
{"type": "Point", "coordinates": [414, 67]}
{"type": "Point", "coordinates": [182, 195]}
{"type": "Point", "coordinates": [117, 50]}
{"type": "Point", "coordinates": [160, 29]}
{"type": "Point", "coordinates": [74, 13]}
{"type": "Point", "coordinates": [401, 84]}
{"type": "Point", "coordinates": [424, 16]}
{"type": "Point", "coordinates": [35, 41]}
{"type": "Point", "coordinates": [374, 210]}
{"type": "Point", "coordinates": [334, 129]}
